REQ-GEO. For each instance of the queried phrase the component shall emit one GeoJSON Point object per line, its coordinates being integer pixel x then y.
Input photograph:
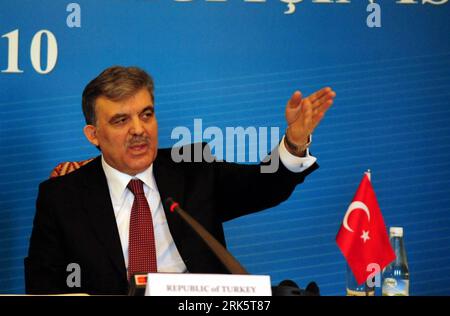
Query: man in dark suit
{"type": "Point", "coordinates": [84, 218]}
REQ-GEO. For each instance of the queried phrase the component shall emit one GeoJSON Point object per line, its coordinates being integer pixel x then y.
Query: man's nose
{"type": "Point", "coordinates": [137, 126]}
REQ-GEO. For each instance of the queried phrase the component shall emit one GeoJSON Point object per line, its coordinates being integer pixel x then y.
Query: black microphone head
{"type": "Point", "coordinates": [288, 283]}
{"type": "Point", "coordinates": [287, 288]}
{"type": "Point", "coordinates": [169, 202]}
{"type": "Point", "coordinates": [312, 289]}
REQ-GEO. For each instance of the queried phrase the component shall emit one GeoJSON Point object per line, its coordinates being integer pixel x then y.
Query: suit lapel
{"type": "Point", "coordinates": [170, 181]}
{"type": "Point", "coordinates": [97, 204]}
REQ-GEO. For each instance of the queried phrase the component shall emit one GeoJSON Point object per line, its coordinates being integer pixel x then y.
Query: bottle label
{"type": "Point", "coordinates": [370, 292]}
{"type": "Point", "coordinates": [393, 287]}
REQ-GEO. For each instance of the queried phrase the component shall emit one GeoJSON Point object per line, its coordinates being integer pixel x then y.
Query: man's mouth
{"type": "Point", "coordinates": [138, 148]}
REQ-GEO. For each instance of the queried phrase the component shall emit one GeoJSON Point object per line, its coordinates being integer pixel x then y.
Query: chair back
{"type": "Point", "coordinates": [67, 167]}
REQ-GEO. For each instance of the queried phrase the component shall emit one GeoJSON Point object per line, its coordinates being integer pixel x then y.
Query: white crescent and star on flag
{"type": "Point", "coordinates": [357, 205]}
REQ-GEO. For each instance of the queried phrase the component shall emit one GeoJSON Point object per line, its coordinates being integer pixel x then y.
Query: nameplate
{"type": "Point", "coordinates": [186, 284]}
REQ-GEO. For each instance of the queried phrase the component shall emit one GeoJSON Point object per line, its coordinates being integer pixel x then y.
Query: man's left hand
{"type": "Point", "coordinates": [304, 114]}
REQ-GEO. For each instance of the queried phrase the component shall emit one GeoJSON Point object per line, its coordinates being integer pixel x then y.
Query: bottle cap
{"type": "Point", "coordinates": [396, 231]}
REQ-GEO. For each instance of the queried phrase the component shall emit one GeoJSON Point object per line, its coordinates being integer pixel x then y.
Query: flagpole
{"type": "Point", "coordinates": [369, 174]}
{"type": "Point", "coordinates": [366, 287]}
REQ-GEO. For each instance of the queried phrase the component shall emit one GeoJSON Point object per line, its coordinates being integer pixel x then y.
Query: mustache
{"type": "Point", "coordinates": [138, 140]}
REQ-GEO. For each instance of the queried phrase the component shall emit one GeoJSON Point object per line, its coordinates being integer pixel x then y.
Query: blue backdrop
{"type": "Point", "coordinates": [236, 63]}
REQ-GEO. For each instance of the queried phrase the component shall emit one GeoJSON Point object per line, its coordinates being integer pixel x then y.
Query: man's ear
{"type": "Point", "coordinates": [90, 131]}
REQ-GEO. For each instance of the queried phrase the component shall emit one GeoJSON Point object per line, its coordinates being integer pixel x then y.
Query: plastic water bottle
{"type": "Point", "coordinates": [353, 289]}
{"type": "Point", "coordinates": [396, 274]}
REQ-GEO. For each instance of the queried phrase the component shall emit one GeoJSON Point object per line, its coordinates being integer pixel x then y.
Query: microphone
{"type": "Point", "coordinates": [138, 281]}
{"type": "Point", "coordinates": [287, 288]}
{"type": "Point", "coordinates": [225, 257]}
{"type": "Point", "coordinates": [312, 289]}
{"type": "Point", "coordinates": [137, 284]}
{"type": "Point", "coordinates": [290, 288]}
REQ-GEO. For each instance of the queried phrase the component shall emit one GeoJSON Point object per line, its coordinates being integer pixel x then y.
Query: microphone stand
{"type": "Point", "coordinates": [232, 265]}
{"type": "Point", "coordinates": [285, 288]}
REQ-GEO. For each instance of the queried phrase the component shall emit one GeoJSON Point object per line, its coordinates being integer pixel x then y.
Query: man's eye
{"type": "Point", "coordinates": [148, 114]}
{"type": "Point", "coordinates": [120, 121]}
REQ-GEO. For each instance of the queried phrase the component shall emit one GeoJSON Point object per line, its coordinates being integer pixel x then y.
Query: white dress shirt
{"type": "Point", "coordinates": [167, 255]}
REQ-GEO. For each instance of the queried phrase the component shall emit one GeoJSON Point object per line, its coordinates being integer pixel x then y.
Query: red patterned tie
{"type": "Point", "coordinates": [141, 243]}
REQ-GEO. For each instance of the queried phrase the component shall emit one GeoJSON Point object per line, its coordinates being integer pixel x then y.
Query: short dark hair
{"type": "Point", "coordinates": [115, 83]}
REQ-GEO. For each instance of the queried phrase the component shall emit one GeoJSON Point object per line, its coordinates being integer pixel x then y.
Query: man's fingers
{"type": "Point", "coordinates": [318, 94]}
{"type": "Point", "coordinates": [326, 106]}
{"type": "Point", "coordinates": [295, 100]}
{"type": "Point", "coordinates": [307, 106]}
{"type": "Point", "coordinates": [320, 112]}
{"type": "Point", "coordinates": [311, 110]}
{"type": "Point", "coordinates": [319, 103]}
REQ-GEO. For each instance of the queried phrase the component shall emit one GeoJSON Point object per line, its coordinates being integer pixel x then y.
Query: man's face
{"type": "Point", "coordinates": [126, 132]}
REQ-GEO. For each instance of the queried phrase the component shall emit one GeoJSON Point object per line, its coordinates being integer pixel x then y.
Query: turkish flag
{"type": "Point", "coordinates": [363, 238]}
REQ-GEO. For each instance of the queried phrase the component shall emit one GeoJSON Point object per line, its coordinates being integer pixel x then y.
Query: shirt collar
{"type": "Point", "coordinates": [118, 181]}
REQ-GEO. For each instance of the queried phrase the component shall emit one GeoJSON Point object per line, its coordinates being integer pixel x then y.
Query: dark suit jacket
{"type": "Point", "coordinates": [75, 223]}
